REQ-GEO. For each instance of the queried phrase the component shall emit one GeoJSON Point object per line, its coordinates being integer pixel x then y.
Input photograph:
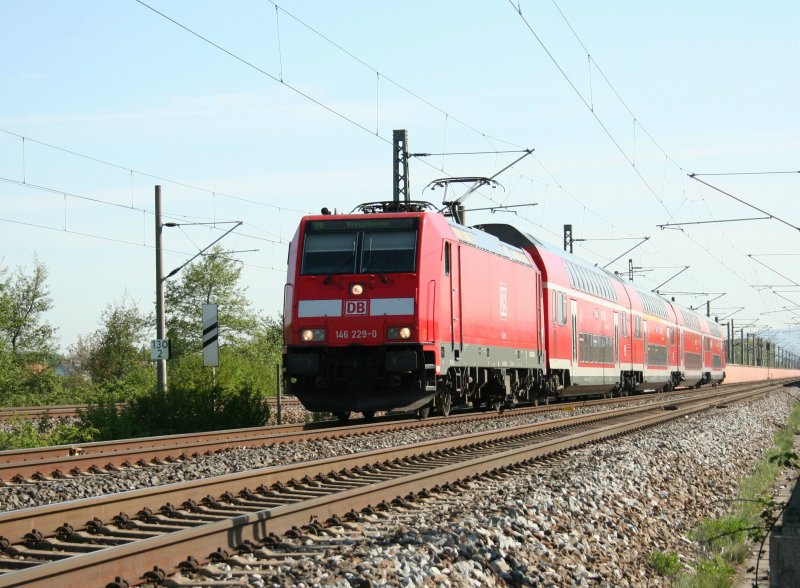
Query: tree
{"type": "Point", "coordinates": [116, 350]}
{"type": "Point", "coordinates": [212, 280]}
{"type": "Point", "coordinates": [24, 299]}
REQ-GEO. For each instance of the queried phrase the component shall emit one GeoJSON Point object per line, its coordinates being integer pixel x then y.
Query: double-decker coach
{"type": "Point", "coordinates": [700, 348]}
{"type": "Point", "coordinates": [606, 336]}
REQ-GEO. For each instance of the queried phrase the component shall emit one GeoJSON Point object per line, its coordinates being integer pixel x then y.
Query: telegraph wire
{"type": "Point", "coordinates": [591, 109]}
{"type": "Point", "coordinates": [127, 208]}
{"type": "Point", "coordinates": [613, 89]}
{"type": "Point", "coordinates": [251, 65]}
{"type": "Point", "coordinates": [758, 173]}
{"type": "Point", "coordinates": [144, 174]}
{"type": "Point", "coordinates": [384, 76]}
{"type": "Point", "coordinates": [272, 77]}
{"type": "Point", "coordinates": [447, 115]}
{"type": "Point", "coordinates": [517, 8]}
{"type": "Point", "coordinates": [112, 239]}
{"type": "Point", "coordinates": [70, 194]}
{"type": "Point", "coordinates": [364, 128]}
{"type": "Point", "coordinates": [694, 177]}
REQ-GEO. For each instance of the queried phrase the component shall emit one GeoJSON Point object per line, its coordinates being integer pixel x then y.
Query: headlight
{"type": "Point", "coordinates": [309, 335]}
{"type": "Point", "coordinates": [399, 333]}
{"type": "Point", "coordinates": [356, 289]}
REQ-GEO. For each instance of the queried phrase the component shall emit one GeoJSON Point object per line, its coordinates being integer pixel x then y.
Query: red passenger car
{"type": "Point", "coordinates": [606, 336]}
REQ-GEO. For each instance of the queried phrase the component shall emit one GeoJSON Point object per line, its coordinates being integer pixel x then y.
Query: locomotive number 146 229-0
{"type": "Point", "coordinates": [356, 334]}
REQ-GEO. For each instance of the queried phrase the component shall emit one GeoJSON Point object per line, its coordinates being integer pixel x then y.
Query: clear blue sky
{"type": "Point", "coordinates": [703, 87]}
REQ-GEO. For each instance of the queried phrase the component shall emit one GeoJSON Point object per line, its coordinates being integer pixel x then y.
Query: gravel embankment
{"type": "Point", "coordinates": [15, 497]}
{"type": "Point", "coordinates": [592, 519]}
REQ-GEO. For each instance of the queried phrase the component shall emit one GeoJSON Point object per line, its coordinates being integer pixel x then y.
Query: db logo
{"type": "Point", "coordinates": [355, 307]}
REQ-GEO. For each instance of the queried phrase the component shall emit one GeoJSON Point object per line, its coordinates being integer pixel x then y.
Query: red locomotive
{"type": "Point", "coordinates": [399, 307]}
{"type": "Point", "coordinates": [405, 310]}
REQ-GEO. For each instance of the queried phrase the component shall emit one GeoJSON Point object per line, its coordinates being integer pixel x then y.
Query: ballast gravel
{"type": "Point", "coordinates": [591, 519]}
{"type": "Point", "coordinates": [17, 496]}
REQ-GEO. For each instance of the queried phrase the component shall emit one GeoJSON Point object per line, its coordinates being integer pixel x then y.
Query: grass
{"type": "Point", "coordinates": [726, 539]}
{"type": "Point", "coordinates": [665, 563]}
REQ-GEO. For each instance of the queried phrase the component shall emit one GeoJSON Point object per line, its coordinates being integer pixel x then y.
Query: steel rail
{"type": "Point", "coordinates": [62, 461]}
{"type": "Point", "coordinates": [72, 410]}
{"type": "Point", "coordinates": [165, 551]}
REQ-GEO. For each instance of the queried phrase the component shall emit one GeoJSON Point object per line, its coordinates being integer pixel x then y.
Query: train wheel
{"type": "Point", "coordinates": [342, 416]}
{"type": "Point", "coordinates": [443, 403]}
{"type": "Point", "coordinates": [369, 414]}
{"type": "Point", "coordinates": [424, 412]}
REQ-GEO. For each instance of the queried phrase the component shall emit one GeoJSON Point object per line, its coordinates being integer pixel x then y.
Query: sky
{"type": "Point", "coordinates": [260, 112]}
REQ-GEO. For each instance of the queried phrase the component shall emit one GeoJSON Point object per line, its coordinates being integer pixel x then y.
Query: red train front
{"type": "Point", "coordinates": [406, 311]}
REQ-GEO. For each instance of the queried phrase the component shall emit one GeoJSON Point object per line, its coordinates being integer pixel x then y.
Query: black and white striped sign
{"type": "Point", "coordinates": [210, 335]}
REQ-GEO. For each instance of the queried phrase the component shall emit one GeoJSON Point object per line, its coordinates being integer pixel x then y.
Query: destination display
{"type": "Point", "coordinates": [389, 224]}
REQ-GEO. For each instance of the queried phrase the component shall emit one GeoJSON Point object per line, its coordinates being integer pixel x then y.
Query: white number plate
{"type": "Point", "coordinates": [357, 334]}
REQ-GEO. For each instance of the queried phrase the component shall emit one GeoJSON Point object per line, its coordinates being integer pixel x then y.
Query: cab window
{"type": "Point", "coordinates": [329, 253]}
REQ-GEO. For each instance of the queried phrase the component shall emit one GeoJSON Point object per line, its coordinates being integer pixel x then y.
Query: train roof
{"type": "Point", "coordinates": [489, 242]}
{"type": "Point", "coordinates": [576, 269]}
{"type": "Point", "coordinates": [560, 266]}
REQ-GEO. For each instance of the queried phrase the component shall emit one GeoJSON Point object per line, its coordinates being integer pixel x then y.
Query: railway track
{"type": "Point", "coordinates": [130, 533]}
{"type": "Point", "coordinates": [73, 410]}
{"type": "Point", "coordinates": [65, 461]}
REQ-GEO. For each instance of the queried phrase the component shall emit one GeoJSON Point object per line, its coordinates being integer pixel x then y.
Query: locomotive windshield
{"type": "Point", "coordinates": [360, 246]}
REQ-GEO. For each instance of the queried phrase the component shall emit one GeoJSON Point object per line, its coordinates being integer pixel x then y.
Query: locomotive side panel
{"type": "Point", "coordinates": [499, 314]}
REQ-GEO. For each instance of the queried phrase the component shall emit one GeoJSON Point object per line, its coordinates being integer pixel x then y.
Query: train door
{"type": "Point", "coordinates": [539, 318]}
{"type": "Point", "coordinates": [456, 330]}
{"type": "Point", "coordinates": [574, 324]}
{"type": "Point", "coordinates": [703, 362]}
{"type": "Point", "coordinates": [644, 348]}
{"type": "Point", "coordinates": [616, 340]}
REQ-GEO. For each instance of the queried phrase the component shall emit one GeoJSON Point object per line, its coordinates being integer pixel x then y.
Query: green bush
{"type": "Point", "coordinates": [665, 563]}
{"type": "Point", "coordinates": [23, 433]}
{"type": "Point", "coordinates": [182, 409]}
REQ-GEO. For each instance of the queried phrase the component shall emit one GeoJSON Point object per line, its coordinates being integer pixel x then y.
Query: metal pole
{"type": "Point", "coordinates": [732, 340]}
{"type": "Point", "coordinates": [741, 346]}
{"type": "Point", "coordinates": [402, 190]}
{"type": "Point", "coordinates": [161, 364]}
{"type": "Point", "coordinates": [278, 383]}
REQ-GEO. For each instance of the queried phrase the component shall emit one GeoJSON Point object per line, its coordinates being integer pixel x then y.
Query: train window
{"type": "Point", "coordinates": [360, 246]}
{"type": "Point", "coordinates": [329, 253]}
{"type": "Point", "coordinates": [595, 284]}
{"type": "Point", "coordinates": [563, 307]}
{"type": "Point", "coordinates": [584, 280]}
{"type": "Point", "coordinates": [388, 251]}
{"type": "Point", "coordinates": [447, 259]}
{"type": "Point", "coordinates": [624, 324]}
